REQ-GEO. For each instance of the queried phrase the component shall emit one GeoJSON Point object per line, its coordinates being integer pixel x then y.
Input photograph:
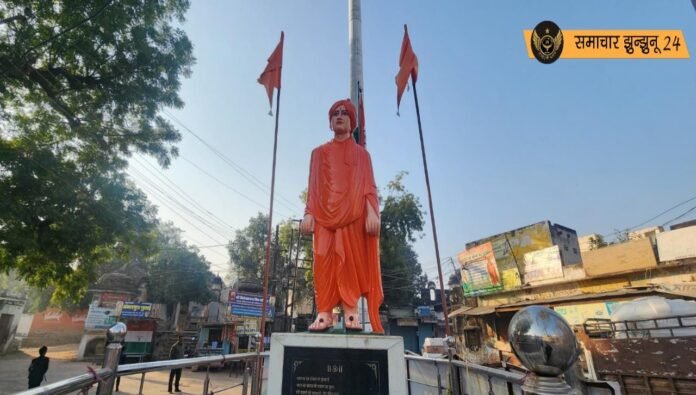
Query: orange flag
{"type": "Point", "coordinates": [408, 67]}
{"type": "Point", "coordinates": [270, 78]}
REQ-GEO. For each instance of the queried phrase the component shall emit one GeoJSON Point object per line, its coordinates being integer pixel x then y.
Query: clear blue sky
{"type": "Point", "coordinates": [595, 145]}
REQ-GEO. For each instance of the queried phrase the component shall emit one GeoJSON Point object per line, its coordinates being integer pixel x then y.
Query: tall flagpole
{"type": "Point", "coordinates": [356, 85]}
{"type": "Point", "coordinates": [267, 265]}
{"type": "Point", "coordinates": [356, 58]}
{"type": "Point", "coordinates": [443, 299]}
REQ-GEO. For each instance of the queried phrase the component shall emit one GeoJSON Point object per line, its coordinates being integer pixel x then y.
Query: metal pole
{"type": "Point", "coordinates": [142, 382]}
{"type": "Point", "coordinates": [356, 79]}
{"type": "Point", "coordinates": [287, 288]}
{"type": "Point", "coordinates": [245, 381]}
{"type": "Point", "coordinates": [294, 279]}
{"type": "Point", "coordinates": [455, 387]}
{"type": "Point", "coordinates": [206, 381]}
{"type": "Point", "coordinates": [269, 230]}
{"type": "Point", "coordinates": [355, 39]}
{"type": "Point", "coordinates": [432, 215]}
{"type": "Point", "coordinates": [111, 357]}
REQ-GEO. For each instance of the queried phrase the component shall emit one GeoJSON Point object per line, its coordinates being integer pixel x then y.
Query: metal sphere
{"type": "Point", "coordinates": [116, 333]}
{"type": "Point", "coordinates": [542, 340]}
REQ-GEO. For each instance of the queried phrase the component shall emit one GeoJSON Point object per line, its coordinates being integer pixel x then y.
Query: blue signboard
{"type": "Point", "coordinates": [423, 311]}
{"type": "Point", "coordinates": [136, 310]}
{"type": "Point", "coordinates": [247, 304]}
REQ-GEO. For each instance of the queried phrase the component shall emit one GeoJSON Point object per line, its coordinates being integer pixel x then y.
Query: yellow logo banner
{"type": "Point", "coordinates": [619, 44]}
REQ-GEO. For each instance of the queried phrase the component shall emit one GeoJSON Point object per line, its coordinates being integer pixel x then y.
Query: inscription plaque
{"type": "Point", "coordinates": [334, 371]}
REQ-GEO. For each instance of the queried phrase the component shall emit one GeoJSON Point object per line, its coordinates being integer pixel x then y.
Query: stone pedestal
{"type": "Point", "coordinates": [307, 363]}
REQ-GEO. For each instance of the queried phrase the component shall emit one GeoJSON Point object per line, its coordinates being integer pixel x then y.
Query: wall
{"type": "Point", "coordinates": [677, 244]}
{"type": "Point", "coordinates": [24, 325]}
{"type": "Point", "coordinates": [54, 327]}
{"type": "Point", "coordinates": [631, 255]}
{"type": "Point", "coordinates": [509, 249]}
{"type": "Point", "coordinates": [567, 241]}
{"type": "Point", "coordinates": [12, 309]}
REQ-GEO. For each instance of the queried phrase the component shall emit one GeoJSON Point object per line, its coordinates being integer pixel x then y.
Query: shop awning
{"type": "Point", "coordinates": [459, 312]}
{"type": "Point", "coordinates": [481, 310]}
{"type": "Point", "coordinates": [628, 292]}
{"type": "Point", "coordinates": [472, 311]}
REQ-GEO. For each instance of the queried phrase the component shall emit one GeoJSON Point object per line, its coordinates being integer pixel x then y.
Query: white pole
{"type": "Point", "coordinates": [355, 39]}
{"type": "Point", "coordinates": [356, 77]}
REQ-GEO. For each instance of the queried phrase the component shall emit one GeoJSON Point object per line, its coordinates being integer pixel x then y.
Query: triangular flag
{"type": "Point", "coordinates": [270, 78]}
{"type": "Point", "coordinates": [408, 67]}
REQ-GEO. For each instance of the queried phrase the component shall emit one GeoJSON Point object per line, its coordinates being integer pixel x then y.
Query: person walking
{"type": "Point", "coordinates": [176, 352]}
{"type": "Point", "coordinates": [38, 368]}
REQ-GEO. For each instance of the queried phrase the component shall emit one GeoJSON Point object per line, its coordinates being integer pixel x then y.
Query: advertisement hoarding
{"type": "Point", "coordinates": [479, 270]}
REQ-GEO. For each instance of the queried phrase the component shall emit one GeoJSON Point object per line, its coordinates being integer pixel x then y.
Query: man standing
{"type": "Point", "coordinates": [176, 352]}
{"type": "Point", "coordinates": [343, 213]}
{"type": "Point", "coordinates": [38, 368]}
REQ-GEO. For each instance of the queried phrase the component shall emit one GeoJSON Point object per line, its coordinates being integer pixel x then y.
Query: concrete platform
{"type": "Point", "coordinates": [310, 363]}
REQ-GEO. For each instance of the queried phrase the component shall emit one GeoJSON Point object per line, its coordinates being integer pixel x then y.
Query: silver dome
{"type": "Point", "coordinates": [542, 340]}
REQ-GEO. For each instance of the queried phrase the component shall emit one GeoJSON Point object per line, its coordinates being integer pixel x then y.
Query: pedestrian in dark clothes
{"type": "Point", "coordinates": [122, 360]}
{"type": "Point", "coordinates": [176, 352]}
{"type": "Point", "coordinates": [38, 368]}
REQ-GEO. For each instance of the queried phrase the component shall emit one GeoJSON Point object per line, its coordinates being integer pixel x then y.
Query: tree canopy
{"type": "Point", "coordinates": [248, 249]}
{"type": "Point", "coordinates": [81, 88]}
{"type": "Point", "coordinates": [402, 221]}
{"type": "Point", "coordinates": [177, 273]}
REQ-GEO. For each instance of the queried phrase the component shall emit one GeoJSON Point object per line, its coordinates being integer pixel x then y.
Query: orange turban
{"type": "Point", "coordinates": [349, 107]}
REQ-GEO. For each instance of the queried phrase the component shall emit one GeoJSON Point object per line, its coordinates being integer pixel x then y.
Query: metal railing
{"type": "Point", "coordinates": [425, 374]}
{"type": "Point", "coordinates": [76, 383]}
{"type": "Point", "coordinates": [105, 375]}
{"type": "Point", "coordinates": [684, 325]}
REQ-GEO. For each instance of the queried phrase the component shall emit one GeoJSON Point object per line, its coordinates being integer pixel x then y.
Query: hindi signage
{"type": "Point", "coordinates": [333, 364]}
{"type": "Point", "coordinates": [248, 304]}
{"type": "Point", "coordinates": [136, 310]}
{"type": "Point", "coordinates": [331, 370]}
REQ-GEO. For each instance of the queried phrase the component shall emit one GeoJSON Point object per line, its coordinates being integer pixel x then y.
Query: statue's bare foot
{"type": "Point", "coordinates": [351, 319]}
{"type": "Point", "coordinates": [322, 323]}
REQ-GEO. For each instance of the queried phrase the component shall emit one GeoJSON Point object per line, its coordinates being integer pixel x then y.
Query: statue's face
{"type": "Point", "coordinates": [340, 121]}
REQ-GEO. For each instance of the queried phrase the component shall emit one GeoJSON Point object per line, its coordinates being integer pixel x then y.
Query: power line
{"type": "Point", "coordinates": [680, 216]}
{"type": "Point", "coordinates": [165, 195]}
{"type": "Point", "coordinates": [179, 191]}
{"type": "Point", "coordinates": [238, 168]}
{"type": "Point", "coordinates": [262, 206]}
{"type": "Point", "coordinates": [653, 218]}
{"type": "Point", "coordinates": [162, 199]}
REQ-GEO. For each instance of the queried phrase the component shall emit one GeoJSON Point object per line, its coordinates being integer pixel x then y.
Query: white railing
{"type": "Point", "coordinates": [105, 377]}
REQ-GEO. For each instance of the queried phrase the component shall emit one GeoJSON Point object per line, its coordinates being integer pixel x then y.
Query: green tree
{"type": "Point", "coordinates": [248, 249]}
{"type": "Point", "coordinates": [81, 85]}
{"type": "Point", "coordinates": [177, 273]}
{"type": "Point", "coordinates": [286, 275]}
{"type": "Point", "coordinates": [402, 221]}
{"type": "Point", "coordinates": [597, 242]}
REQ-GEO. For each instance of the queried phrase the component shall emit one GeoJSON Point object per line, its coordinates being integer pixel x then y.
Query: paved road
{"type": "Point", "coordinates": [13, 375]}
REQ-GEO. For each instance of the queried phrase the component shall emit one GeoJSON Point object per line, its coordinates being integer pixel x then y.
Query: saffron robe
{"type": "Point", "coordinates": [346, 258]}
